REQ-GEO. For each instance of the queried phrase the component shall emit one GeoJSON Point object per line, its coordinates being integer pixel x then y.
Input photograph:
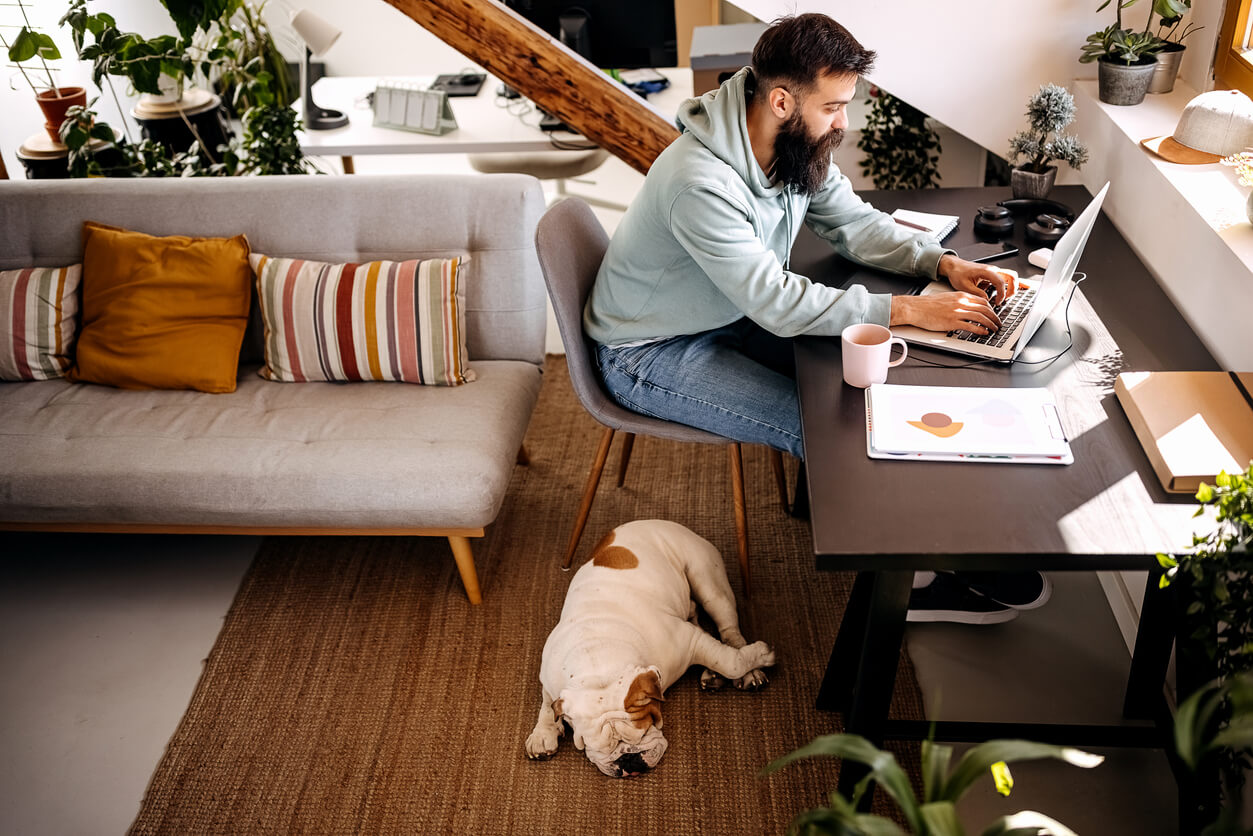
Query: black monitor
{"type": "Point", "coordinates": [612, 34]}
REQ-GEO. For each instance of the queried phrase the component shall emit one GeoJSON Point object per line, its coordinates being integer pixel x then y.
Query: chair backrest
{"type": "Point", "coordinates": [571, 244]}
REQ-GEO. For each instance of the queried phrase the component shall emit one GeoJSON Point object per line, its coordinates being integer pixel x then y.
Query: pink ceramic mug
{"type": "Point", "coordinates": [867, 354]}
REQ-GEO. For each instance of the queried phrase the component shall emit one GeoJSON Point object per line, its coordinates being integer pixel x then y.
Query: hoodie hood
{"type": "Point", "coordinates": [719, 121]}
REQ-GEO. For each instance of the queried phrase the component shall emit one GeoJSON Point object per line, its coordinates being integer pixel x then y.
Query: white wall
{"type": "Point", "coordinates": [972, 64]}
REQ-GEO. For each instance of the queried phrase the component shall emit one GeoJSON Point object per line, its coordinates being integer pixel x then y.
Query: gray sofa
{"type": "Point", "coordinates": [275, 458]}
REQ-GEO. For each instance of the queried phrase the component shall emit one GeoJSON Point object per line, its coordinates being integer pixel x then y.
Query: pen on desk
{"type": "Point", "coordinates": [911, 225]}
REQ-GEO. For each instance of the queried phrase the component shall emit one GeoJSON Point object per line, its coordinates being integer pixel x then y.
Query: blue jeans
{"type": "Point", "coordinates": [738, 381]}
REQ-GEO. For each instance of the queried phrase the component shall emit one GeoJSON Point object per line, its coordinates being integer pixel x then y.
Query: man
{"type": "Point", "coordinates": [693, 306]}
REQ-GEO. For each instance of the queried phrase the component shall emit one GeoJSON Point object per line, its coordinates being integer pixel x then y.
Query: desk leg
{"type": "Point", "coordinates": [1144, 699]}
{"type": "Point", "coordinates": [861, 672]}
{"type": "Point", "coordinates": [349, 168]}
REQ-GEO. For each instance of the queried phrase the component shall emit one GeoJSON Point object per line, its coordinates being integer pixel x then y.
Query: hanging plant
{"type": "Point", "coordinates": [902, 150]}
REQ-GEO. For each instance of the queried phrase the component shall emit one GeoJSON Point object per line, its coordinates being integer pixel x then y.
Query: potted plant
{"type": "Point", "coordinates": [936, 813]}
{"type": "Point", "coordinates": [902, 150]}
{"type": "Point", "coordinates": [1213, 733]}
{"type": "Point", "coordinates": [1125, 62]}
{"type": "Point", "coordinates": [53, 100]}
{"type": "Point", "coordinates": [1215, 636]}
{"type": "Point", "coordinates": [1168, 58]}
{"type": "Point", "coordinates": [1049, 111]}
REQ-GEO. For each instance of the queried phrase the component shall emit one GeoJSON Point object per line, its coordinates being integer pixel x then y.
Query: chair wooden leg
{"type": "Point", "coordinates": [589, 494]}
{"type": "Point", "coordinates": [524, 459]}
{"type": "Point", "coordinates": [464, 556]}
{"type": "Point", "coordinates": [628, 444]}
{"type": "Point", "coordinates": [780, 478]}
{"type": "Point", "coordinates": [741, 512]}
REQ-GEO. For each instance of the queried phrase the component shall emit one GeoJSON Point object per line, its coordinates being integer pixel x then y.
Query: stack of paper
{"type": "Point", "coordinates": [954, 423]}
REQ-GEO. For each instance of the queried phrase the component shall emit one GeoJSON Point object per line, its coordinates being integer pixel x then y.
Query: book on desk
{"type": "Point", "coordinates": [1191, 424]}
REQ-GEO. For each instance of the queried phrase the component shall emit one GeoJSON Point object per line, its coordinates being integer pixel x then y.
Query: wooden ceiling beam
{"type": "Point", "coordinates": [545, 71]}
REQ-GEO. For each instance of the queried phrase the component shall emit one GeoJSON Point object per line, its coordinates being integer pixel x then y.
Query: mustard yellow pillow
{"type": "Point", "coordinates": [161, 313]}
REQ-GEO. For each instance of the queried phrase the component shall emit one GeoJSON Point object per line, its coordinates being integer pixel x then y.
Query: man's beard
{"type": "Point", "coordinates": [801, 162]}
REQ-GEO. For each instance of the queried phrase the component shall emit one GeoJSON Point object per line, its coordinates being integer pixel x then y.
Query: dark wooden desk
{"type": "Point", "coordinates": [885, 519]}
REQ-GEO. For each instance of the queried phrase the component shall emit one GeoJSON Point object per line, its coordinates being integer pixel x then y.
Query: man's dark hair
{"type": "Point", "coordinates": [798, 49]}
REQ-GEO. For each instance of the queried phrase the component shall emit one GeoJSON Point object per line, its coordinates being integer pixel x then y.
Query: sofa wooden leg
{"type": "Point", "coordinates": [464, 556]}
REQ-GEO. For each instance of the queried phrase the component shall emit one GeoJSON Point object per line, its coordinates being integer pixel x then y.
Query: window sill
{"type": "Point", "coordinates": [1188, 223]}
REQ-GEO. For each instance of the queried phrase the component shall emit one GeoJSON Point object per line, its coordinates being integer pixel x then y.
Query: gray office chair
{"type": "Point", "coordinates": [548, 165]}
{"type": "Point", "coordinates": [571, 244]}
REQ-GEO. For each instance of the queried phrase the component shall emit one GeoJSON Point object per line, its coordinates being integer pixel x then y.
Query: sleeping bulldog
{"type": "Point", "coordinates": [627, 631]}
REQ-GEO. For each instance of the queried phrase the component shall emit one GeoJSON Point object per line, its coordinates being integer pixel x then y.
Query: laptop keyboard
{"type": "Point", "coordinates": [1013, 309]}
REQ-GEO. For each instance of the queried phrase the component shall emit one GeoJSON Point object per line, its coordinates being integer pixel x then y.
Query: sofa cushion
{"type": "Point", "coordinates": [38, 321]}
{"type": "Point", "coordinates": [161, 313]}
{"type": "Point", "coordinates": [378, 320]}
{"type": "Point", "coordinates": [318, 455]}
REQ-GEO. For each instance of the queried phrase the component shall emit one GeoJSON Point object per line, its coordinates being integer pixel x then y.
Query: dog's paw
{"type": "Point", "coordinates": [711, 681]}
{"type": "Point", "coordinates": [542, 742]}
{"type": "Point", "coordinates": [752, 681]}
{"type": "Point", "coordinates": [757, 655]}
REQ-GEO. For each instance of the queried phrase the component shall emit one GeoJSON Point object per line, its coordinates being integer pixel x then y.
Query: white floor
{"type": "Point", "coordinates": [103, 640]}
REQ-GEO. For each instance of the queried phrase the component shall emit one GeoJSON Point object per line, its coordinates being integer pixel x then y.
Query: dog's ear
{"type": "Point", "coordinates": [642, 697]}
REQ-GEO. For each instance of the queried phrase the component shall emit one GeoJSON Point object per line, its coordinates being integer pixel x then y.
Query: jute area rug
{"type": "Point", "coordinates": [353, 689]}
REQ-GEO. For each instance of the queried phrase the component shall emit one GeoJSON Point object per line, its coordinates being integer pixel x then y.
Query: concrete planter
{"type": "Point", "coordinates": [1124, 84]}
{"type": "Point", "coordinates": [1167, 68]}
{"type": "Point", "coordinates": [1035, 185]}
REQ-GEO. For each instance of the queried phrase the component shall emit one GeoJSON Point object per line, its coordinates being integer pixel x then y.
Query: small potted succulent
{"type": "Point", "coordinates": [54, 100]}
{"type": "Point", "coordinates": [1032, 151]}
{"type": "Point", "coordinates": [1125, 57]}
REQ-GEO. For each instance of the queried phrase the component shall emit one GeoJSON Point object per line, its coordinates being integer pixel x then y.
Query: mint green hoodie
{"type": "Point", "coordinates": [707, 239]}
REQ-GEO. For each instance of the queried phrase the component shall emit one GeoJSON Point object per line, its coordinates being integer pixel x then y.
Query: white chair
{"type": "Point", "coordinates": [548, 165]}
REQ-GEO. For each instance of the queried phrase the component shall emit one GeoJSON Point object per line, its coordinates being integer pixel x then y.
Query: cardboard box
{"type": "Point", "coordinates": [1191, 424]}
{"type": "Point", "coordinates": [718, 52]}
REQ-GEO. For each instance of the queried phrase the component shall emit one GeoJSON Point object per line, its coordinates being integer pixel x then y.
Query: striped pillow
{"type": "Point", "coordinates": [380, 320]}
{"type": "Point", "coordinates": [38, 320]}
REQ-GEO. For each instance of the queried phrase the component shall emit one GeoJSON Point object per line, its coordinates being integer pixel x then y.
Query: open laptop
{"type": "Point", "coordinates": [1024, 312]}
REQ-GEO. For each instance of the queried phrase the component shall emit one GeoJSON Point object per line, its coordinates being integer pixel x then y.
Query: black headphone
{"type": "Point", "coordinates": [995, 221]}
{"type": "Point", "coordinates": [1047, 229]}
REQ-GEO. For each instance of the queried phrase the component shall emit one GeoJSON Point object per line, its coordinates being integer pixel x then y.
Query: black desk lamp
{"type": "Point", "coordinates": [318, 36]}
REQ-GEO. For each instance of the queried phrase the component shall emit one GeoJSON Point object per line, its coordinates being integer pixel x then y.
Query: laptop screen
{"type": "Point", "coordinates": [1061, 268]}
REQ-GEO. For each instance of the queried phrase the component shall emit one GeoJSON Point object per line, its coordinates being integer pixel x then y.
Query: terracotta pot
{"type": "Point", "coordinates": [1124, 84]}
{"type": "Point", "coordinates": [1032, 184]}
{"type": "Point", "coordinates": [54, 103]}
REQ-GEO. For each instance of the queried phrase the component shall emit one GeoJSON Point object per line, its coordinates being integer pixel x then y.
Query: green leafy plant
{"type": "Point", "coordinates": [936, 813]}
{"type": "Point", "coordinates": [224, 42]}
{"type": "Point", "coordinates": [1214, 727]}
{"type": "Point", "coordinates": [1049, 111]}
{"type": "Point", "coordinates": [1219, 571]}
{"type": "Point", "coordinates": [29, 44]}
{"type": "Point", "coordinates": [113, 52]}
{"type": "Point", "coordinates": [1116, 43]}
{"type": "Point", "coordinates": [902, 150]}
{"type": "Point", "coordinates": [1216, 633]}
{"type": "Point", "coordinates": [1172, 13]}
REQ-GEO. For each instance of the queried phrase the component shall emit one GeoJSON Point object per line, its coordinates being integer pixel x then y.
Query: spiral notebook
{"type": "Point", "coordinates": [940, 226]}
{"type": "Point", "coordinates": [963, 423]}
